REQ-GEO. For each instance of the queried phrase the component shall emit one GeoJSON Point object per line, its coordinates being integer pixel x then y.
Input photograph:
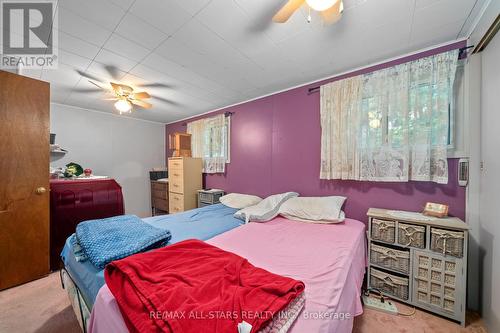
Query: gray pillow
{"type": "Point", "coordinates": [265, 210]}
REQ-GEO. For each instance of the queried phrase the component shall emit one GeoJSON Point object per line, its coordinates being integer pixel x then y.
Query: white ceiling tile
{"type": "Point", "coordinates": [111, 59]}
{"type": "Point", "coordinates": [261, 13]}
{"type": "Point", "coordinates": [77, 46]}
{"type": "Point", "coordinates": [73, 60]}
{"type": "Point", "coordinates": [167, 16]}
{"type": "Point", "coordinates": [64, 75]}
{"type": "Point", "coordinates": [192, 6]}
{"type": "Point", "coordinates": [199, 38]}
{"type": "Point", "coordinates": [79, 27]}
{"type": "Point", "coordinates": [102, 12]}
{"type": "Point", "coordinates": [235, 27]}
{"type": "Point", "coordinates": [140, 32]}
{"type": "Point", "coordinates": [431, 35]}
{"type": "Point", "coordinates": [124, 4]}
{"type": "Point", "coordinates": [126, 48]}
{"type": "Point", "coordinates": [105, 72]}
{"type": "Point", "coordinates": [442, 13]}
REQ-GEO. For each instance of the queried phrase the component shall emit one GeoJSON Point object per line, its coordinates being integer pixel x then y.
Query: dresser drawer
{"type": "Point", "coordinates": [390, 258]}
{"type": "Point", "coordinates": [176, 202]}
{"type": "Point", "coordinates": [161, 204]}
{"type": "Point", "coordinates": [383, 230]}
{"type": "Point", "coordinates": [176, 174]}
{"type": "Point", "coordinates": [176, 185]}
{"type": "Point", "coordinates": [159, 194]}
{"type": "Point", "coordinates": [175, 164]}
{"type": "Point", "coordinates": [156, 186]}
{"type": "Point", "coordinates": [411, 235]}
{"type": "Point", "coordinates": [388, 283]}
{"type": "Point", "coordinates": [447, 242]}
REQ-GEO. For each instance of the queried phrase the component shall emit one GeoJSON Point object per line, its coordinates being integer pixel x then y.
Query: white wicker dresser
{"type": "Point", "coordinates": [419, 260]}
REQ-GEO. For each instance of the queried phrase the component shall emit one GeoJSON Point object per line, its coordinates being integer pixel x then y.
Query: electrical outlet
{"type": "Point", "coordinates": [374, 303]}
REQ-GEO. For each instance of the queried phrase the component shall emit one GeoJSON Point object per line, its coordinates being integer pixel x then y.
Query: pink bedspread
{"type": "Point", "coordinates": [329, 258]}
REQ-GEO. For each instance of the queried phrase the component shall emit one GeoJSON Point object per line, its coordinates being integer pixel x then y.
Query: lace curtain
{"type": "Point", "coordinates": [389, 125]}
{"type": "Point", "coordinates": [210, 141]}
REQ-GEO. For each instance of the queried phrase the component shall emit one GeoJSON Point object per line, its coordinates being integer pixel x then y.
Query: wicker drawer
{"type": "Point", "coordinates": [383, 230]}
{"type": "Point", "coordinates": [157, 186]}
{"type": "Point", "coordinates": [175, 164]}
{"type": "Point", "coordinates": [411, 235]}
{"type": "Point", "coordinates": [390, 284]}
{"type": "Point", "coordinates": [390, 258]}
{"type": "Point", "coordinates": [161, 204]}
{"type": "Point", "coordinates": [447, 242]}
{"type": "Point", "coordinates": [159, 194]}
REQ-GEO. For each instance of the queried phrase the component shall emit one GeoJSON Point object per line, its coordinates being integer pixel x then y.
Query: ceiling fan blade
{"type": "Point", "coordinates": [142, 104]}
{"type": "Point", "coordinates": [165, 100]}
{"type": "Point", "coordinates": [89, 76]}
{"type": "Point", "coordinates": [287, 10]}
{"type": "Point", "coordinates": [122, 87]}
{"type": "Point", "coordinates": [141, 95]}
{"type": "Point", "coordinates": [113, 71]}
{"type": "Point", "coordinates": [333, 14]}
{"type": "Point", "coordinates": [87, 90]}
{"type": "Point", "coordinates": [98, 85]}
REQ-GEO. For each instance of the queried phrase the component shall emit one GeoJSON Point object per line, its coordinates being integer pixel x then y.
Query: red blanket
{"type": "Point", "coordinates": [192, 286]}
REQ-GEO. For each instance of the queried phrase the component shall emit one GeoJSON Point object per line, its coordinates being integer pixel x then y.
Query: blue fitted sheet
{"type": "Point", "coordinates": [201, 223]}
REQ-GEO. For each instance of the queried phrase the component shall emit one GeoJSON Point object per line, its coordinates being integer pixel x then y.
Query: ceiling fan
{"type": "Point", "coordinates": [330, 10]}
{"type": "Point", "coordinates": [125, 97]}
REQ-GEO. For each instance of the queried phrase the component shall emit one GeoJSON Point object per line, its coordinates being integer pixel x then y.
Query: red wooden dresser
{"type": "Point", "coordinates": [73, 201]}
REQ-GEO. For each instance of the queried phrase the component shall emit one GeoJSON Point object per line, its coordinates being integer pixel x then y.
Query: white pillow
{"type": "Point", "coordinates": [314, 209]}
{"type": "Point", "coordinates": [238, 200]}
{"type": "Point", "coordinates": [265, 210]}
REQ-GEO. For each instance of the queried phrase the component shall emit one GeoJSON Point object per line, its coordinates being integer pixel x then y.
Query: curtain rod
{"type": "Point", "coordinates": [226, 114]}
{"type": "Point", "coordinates": [461, 54]}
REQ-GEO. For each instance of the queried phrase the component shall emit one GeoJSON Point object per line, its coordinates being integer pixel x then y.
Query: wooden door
{"type": "Point", "coordinates": [24, 179]}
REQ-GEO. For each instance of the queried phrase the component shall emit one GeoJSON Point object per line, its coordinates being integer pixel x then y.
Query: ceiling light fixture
{"type": "Point", "coordinates": [321, 5]}
{"type": "Point", "coordinates": [123, 106]}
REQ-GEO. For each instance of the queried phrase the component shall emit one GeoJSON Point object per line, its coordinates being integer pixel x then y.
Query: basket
{"type": "Point", "coordinates": [383, 230]}
{"type": "Point", "coordinates": [411, 235]}
{"type": "Point", "coordinates": [389, 284]}
{"type": "Point", "coordinates": [390, 258]}
{"type": "Point", "coordinates": [447, 242]}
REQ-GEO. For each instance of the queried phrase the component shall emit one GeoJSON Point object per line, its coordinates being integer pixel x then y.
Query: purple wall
{"type": "Point", "coordinates": [275, 147]}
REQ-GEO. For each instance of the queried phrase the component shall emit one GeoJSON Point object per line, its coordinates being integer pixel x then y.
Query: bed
{"type": "Point", "coordinates": [329, 258]}
{"type": "Point", "coordinates": [202, 223]}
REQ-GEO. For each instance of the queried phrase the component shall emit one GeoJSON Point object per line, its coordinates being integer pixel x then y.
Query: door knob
{"type": "Point", "coordinates": [40, 190]}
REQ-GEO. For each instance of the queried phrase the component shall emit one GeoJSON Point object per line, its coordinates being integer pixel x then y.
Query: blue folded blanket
{"type": "Point", "coordinates": [104, 240]}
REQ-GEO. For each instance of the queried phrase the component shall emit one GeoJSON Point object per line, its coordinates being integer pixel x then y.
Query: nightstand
{"type": "Point", "coordinates": [209, 197]}
{"type": "Point", "coordinates": [419, 260]}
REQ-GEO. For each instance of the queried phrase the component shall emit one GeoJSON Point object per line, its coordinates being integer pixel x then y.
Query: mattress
{"type": "Point", "coordinates": [329, 258]}
{"type": "Point", "coordinates": [202, 223]}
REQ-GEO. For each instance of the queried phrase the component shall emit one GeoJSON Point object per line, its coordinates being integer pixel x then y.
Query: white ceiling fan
{"type": "Point", "coordinates": [330, 10]}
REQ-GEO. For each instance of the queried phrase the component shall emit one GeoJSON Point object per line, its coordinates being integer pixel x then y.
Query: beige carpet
{"type": "Point", "coordinates": [42, 306]}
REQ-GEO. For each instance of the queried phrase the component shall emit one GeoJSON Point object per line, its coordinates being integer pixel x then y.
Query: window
{"type": "Point", "coordinates": [395, 124]}
{"type": "Point", "coordinates": [210, 141]}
